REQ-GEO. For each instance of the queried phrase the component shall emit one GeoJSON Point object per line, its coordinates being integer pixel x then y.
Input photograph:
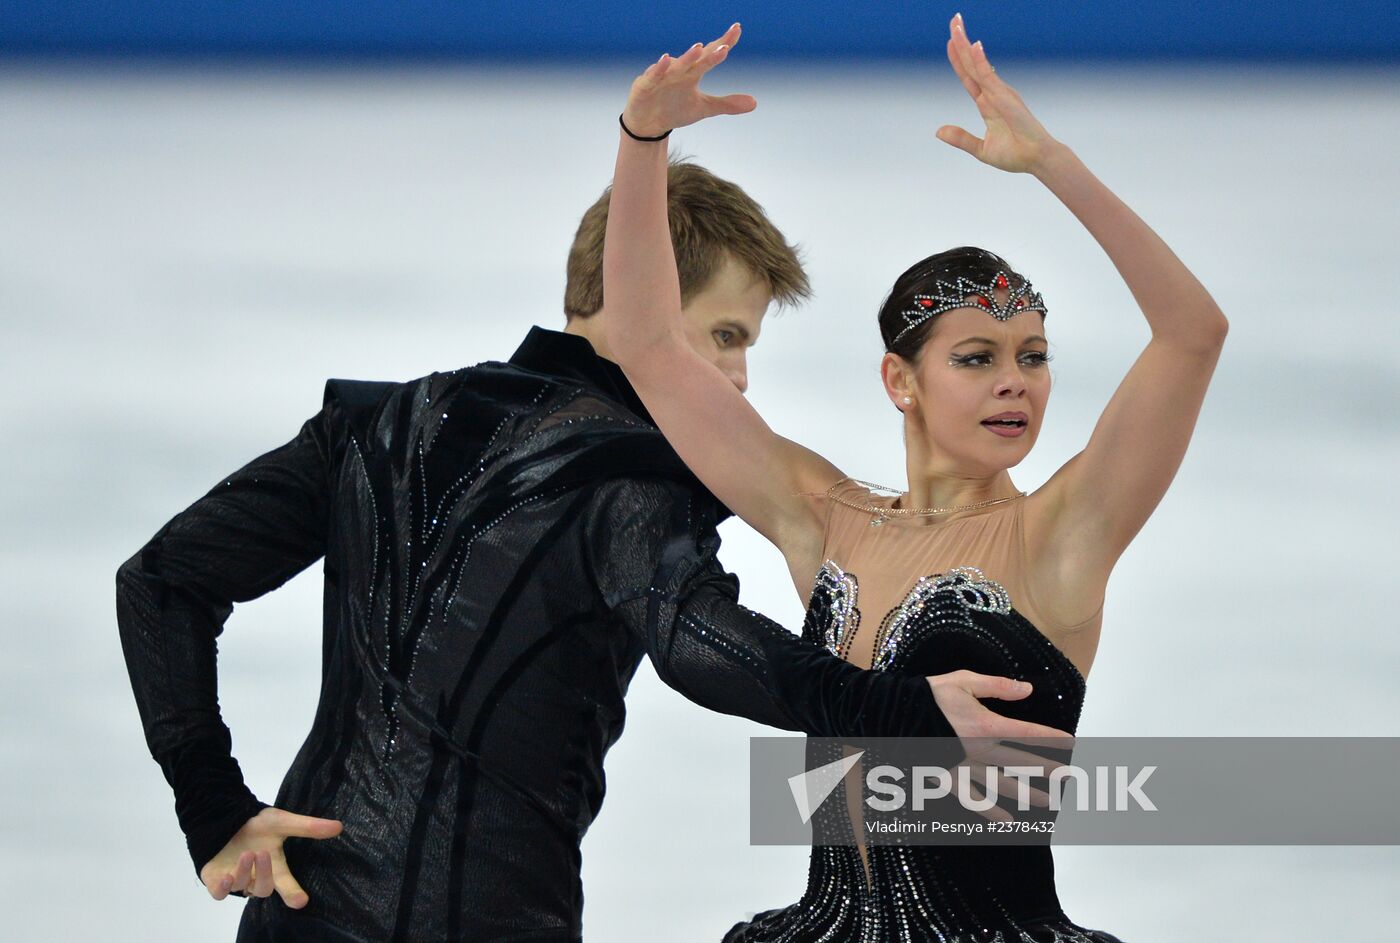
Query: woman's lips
{"type": "Point", "coordinates": [1001, 429]}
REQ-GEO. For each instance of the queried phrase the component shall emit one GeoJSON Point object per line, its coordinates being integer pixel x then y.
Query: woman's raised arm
{"type": "Point", "coordinates": [754, 471]}
{"type": "Point", "coordinates": [1102, 496]}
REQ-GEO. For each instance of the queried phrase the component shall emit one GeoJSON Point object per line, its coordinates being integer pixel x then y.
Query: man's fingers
{"type": "Point", "coordinates": [1010, 786]}
{"type": "Point", "coordinates": [242, 872]}
{"type": "Point", "coordinates": [221, 886]}
{"type": "Point", "coordinates": [980, 685]}
{"type": "Point", "coordinates": [1001, 753]}
{"type": "Point", "coordinates": [309, 826]}
{"type": "Point", "coordinates": [1029, 730]}
{"type": "Point", "coordinates": [292, 894]}
{"type": "Point", "coordinates": [994, 812]}
{"type": "Point", "coordinates": [262, 882]}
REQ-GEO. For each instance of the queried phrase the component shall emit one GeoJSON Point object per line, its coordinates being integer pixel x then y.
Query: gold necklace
{"type": "Point", "coordinates": [882, 514]}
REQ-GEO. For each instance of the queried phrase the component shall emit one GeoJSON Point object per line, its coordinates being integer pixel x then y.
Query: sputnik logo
{"type": "Point", "coordinates": [810, 789]}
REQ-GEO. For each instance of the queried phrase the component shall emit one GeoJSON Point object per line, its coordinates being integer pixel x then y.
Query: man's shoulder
{"type": "Point", "coordinates": [357, 394]}
{"type": "Point", "coordinates": [589, 438]}
{"type": "Point", "coordinates": [501, 384]}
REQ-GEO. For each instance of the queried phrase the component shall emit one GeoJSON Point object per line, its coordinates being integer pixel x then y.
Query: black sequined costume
{"type": "Point", "coordinates": [955, 617]}
{"type": "Point", "coordinates": [502, 545]}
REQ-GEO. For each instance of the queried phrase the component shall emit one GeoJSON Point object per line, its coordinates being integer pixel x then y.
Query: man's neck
{"type": "Point", "coordinates": [591, 329]}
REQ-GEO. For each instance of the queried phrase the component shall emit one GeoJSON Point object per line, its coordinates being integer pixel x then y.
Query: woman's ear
{"type": "Point", "coordinates": [898, 379]}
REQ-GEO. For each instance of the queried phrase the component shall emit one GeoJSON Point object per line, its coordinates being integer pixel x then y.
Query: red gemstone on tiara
{"type": "Point", "coordinates": [1001, 280]}
{"type": "Point", "coordinates": [926, 302]}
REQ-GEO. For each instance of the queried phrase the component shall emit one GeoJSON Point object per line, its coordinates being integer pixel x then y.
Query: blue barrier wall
{"type": "Point", "coordinates": [1340, 31]}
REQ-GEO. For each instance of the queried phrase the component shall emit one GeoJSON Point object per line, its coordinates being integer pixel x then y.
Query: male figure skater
{"type": "Point", "coordinates": [502, 544]}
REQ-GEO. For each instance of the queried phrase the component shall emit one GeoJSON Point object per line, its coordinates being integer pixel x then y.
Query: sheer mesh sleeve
{"type": "Point", "coordinates": [652, 555]}
{"type": "Point", "coordinates": [252, 532]}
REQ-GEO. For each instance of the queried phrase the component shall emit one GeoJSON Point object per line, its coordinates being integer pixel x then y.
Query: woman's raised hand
{"type": "Point", "coordinates": [1015, 141]}
{"type": "Point", "coordinates": [253, 862]}
{"type": "Point", "coordinates": [667, 95]}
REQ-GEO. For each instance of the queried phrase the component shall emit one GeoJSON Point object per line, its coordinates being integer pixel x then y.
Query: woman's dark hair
{"type": "Point", "coordinates": [970, 262]}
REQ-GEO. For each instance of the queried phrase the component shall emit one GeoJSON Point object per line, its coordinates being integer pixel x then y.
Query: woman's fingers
{"type": "Point", "coordinates": [730, 39]}
{"type": "Point", "coordinates": [959, 138]}
{"type": "Point", "coordinates": [714, 54]}
{"type": "Point", "coordinates": [702, 57]}
{"type": "Point", "coordinates": [712, 60]}
{"type": "Point", "coordinates": [667, 94]}
{"type": "Point", "coordinates": [731, 104]}
{"type": "Point", "coordinates": [982, 68]}
{"type": "Point", "coordinates": [962, 54]}
{"type": "Point", "coordinates": [961, 43]}
{"type": "Point", "coordinates": [972, 57]}
{"type": "Point", "coordinates": [955, 58]}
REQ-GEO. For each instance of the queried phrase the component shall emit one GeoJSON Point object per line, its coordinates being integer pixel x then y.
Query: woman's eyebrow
{"type": "Point", "coordinates": [988, 340]}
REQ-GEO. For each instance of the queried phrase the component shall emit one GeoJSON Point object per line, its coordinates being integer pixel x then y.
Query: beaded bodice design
{"type": "Point", "coordinates": [955, 619]}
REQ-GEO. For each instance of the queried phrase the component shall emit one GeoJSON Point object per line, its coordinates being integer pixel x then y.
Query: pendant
{"type": "Point", "coordinates": [877, 520]}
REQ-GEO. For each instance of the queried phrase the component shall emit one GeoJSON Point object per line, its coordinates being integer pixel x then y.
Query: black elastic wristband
{"type": "Point", "coordinates": [638, 137]}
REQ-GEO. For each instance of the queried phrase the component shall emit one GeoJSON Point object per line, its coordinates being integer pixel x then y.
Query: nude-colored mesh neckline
{"type": "Point", "coordinates": [887, 503]}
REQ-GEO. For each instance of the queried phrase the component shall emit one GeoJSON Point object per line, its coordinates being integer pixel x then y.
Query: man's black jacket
{"type": "Point", "coordinates": [502, 544]}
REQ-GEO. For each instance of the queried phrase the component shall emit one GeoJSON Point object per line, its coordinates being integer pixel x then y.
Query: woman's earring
{"type": "Point", "coordinates": [908, 400]}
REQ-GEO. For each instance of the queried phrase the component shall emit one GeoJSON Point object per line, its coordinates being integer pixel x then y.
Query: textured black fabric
{"type": "Point", "coordinates": [924, 893]}
{"type": "Point", "coordinates": [502, 544]}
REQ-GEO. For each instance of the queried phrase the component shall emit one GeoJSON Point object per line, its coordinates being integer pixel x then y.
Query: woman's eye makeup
{"type": "Point", "coordinates": [724, 336]}
{"type": "Point", "coordinates": [959, 360]}
{"type": "Point", "coordinates": [1033, 358]}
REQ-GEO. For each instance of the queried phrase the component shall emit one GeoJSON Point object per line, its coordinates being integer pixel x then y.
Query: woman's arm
{"type": "Point", "coordinates": [754, 471]}
{"type": "Point", "coordinates": [1109, 490]}
{"type": "Point", "coordinates": [1100, 499]}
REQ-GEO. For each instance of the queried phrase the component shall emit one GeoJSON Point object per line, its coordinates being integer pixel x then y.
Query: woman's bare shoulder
{"type": "Point", "coordinates": [1068, 567]}
{"type": "Point", "coordinates": [802, 534]}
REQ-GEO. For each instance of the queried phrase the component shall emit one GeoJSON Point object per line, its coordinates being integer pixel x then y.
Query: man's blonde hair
{"type": "Point", "coordinates": [709, 216]}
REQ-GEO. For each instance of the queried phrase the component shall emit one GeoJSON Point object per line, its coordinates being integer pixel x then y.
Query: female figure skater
{"type": "Point", "coordinates": [963, 570]}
